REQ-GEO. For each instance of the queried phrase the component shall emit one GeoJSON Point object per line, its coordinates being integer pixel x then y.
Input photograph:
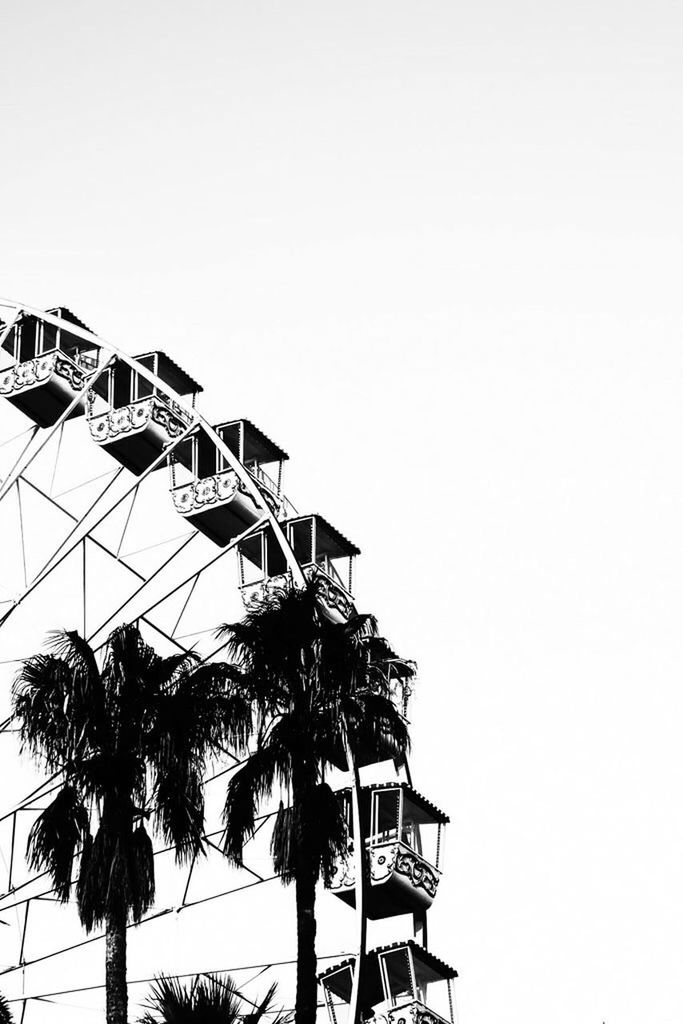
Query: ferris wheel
{"type": "Point", "coordinates": [120, 502]}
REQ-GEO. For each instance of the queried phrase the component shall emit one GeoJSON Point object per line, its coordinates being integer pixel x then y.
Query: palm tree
{"type": "Point", "coordinates": [210, 999]}
{"type": "Point", "coordinates": [131, 740]}
{"type": "Point", "coordinates": [315, 686]}
{"type": "Point", "coordinates": [5, 1014]}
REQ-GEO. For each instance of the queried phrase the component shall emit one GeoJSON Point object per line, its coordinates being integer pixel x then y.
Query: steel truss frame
{"type": "Point", "coordinates": [138, 605]}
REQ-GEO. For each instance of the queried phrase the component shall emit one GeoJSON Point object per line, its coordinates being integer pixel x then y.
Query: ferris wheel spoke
{"type": "Point", "coordinates": [136, 606]}
{"type": "Point", "coordinates": [166, 636]}
{"type": "Point", "coordinates": [130, 608]}
{"type": "Point", "coordinates": [85, 526]}
{"type": "Point", "coordinates": [94, 540]}
{"type": "Point", "coordinates": [45, 573]}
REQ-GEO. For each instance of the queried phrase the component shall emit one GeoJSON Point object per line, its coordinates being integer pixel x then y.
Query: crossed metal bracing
{"type": "Point", "coordinates": [110, 530]}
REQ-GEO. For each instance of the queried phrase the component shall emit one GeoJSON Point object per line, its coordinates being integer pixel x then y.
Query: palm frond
{"type": "Point", "coordinates": [263, 1008]}
{"type": "Point", "coordinates": [194, 720]}
{"type": "Point", "coordinates": [71, 647]}
{"type": "Point", "coordinates": [312, 681]}
{"type": "Point", "coordinates": [207, 999]}
{"type": "Point", "coordinates": [50, 724]}
{"type": "Point", "coordinates": [140, 719]}
{"type": "Point", "coordinates": [5, 1012]}
{"type": "Point", "coordinates": [376, 729]}
{"type": "Point", "coordinates": [87, 691]}
{"type": "Point", "coordinates": [244, 792]}
{"type": "Point", "coordinates": [273, 640]}
{"type": "Point", "coordinates": [167, 670]}
{"type": "Point", "coordinates": [100, 869]}
{"type": "Point", "coordinates": [140, 873]}
{"type": "Point", "coordinates": [55, 837]}
{"type": "Point", "coordinates": [179, 798]}
{"type": "Point", "coordinates": [311, 833]}
{"type": "Point", "coordinates": [129, 662]}
{"type": "Point", "coordinates": [114, 865]}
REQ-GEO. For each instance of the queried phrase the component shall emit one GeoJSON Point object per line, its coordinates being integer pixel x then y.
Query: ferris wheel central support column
{"type": "Point", "coordinates": [359, 868]}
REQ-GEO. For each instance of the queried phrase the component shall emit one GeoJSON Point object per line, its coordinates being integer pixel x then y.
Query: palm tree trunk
{"type": "Point", "coordinates": [115, 968]}
{"type": "Point", "coordinates": [306, 964]}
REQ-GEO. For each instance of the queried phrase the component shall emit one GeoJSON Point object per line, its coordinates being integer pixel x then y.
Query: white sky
{"type": "Point", "coordinates": [434, 250]}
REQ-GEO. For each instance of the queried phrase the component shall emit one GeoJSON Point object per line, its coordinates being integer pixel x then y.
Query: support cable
{"type": "Point", "coordinates": [262, 819]}
{"type": "Point", "coordinates": [22, 433]}
{"type": "Point", "coordinates": [21, 533]}
{"type": "Point", "coordinates": [261, 968]}
{"type": "Point", "coordinates": [59, 448]}
{"type": "Point", "coordinates": [92, 480]}
{"type": "Point", "coordinates": [145, 920]}
{"type": "Point", "coordinates": [160, 543]}
{"type": "Point", "coordinates": [125, 525]}
{"type": "Point", "coordinates": [182, 610]}
{"type": "Point", "coordinates": [75, 519]}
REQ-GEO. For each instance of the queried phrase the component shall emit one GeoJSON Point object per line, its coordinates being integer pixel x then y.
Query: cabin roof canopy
{"type": "Point", "coordinates": [427, 811]}
{"type": "Point", "coordinates": [330, 541]}
{"type": "Point", "coordinates": [65, 314]}
{"type": "Point", "coordinates": [168, 370]}
{"type": "Point", "coordinates": [336, 979]}
{"type": "Point", "coordinates": [59, 311]}
{"type": "Point", "coordinates": [428, 968]}
{"type": "Point", "coordinates": [257, 445]}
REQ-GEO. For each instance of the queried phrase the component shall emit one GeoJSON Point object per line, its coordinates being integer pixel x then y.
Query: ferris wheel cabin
{"type": "Point", "coordinates": [401, 982]}
{"type": "Point", "coordinates": [322, 551]}
{"type": "Point", "coordinates": [132, 417]}
{"type": "Point", "coordinates": [403, 835]}
{"type": "Point", "coordinates": [214, 500]}
{"type": "Point", "coordinates": [51, 366]}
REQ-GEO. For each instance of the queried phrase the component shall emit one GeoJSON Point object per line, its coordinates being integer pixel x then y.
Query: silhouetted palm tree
{"type": "Point", "coordinates": [131, 739]}
{"type": "Point", "coordinates": [311, 682]}
{"type": "Point", "coordinates": [206, 1000]}
{"type": "Point", "coordinates": [5, 1014]}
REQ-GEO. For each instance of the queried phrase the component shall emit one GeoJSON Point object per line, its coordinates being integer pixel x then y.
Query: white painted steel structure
{"type": "Point", "coordinates": [101, 524]}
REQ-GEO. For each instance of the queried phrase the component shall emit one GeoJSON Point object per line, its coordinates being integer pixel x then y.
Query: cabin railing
{"type": "Point", "coordinates": [201, 492]}
{"type": "Point", "coordinates": [286, 509]}
{"type": "Point", "coordinates": [402, 859]}
{"type": "Point", "coordinates": [36, 371]}
{"type": "Point", "coordinates": [259, 474]}
{"type": "Point", "coordinates": [333, 592]}
{"type": "Point", "coordinates": [175, 408]}
{"type": "Point", "coordinates": [387, 856]}
{"type": "Point", "coordinates": [156, 399]}
{"type": "Point", "coordinates": [113, 423]}
{"type": "Point", "coordinates": [413, 1011]}
{"type": "Point", "coordinates": [87, 362]}
{"type": "Point", "coordinates": [326, 568]}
